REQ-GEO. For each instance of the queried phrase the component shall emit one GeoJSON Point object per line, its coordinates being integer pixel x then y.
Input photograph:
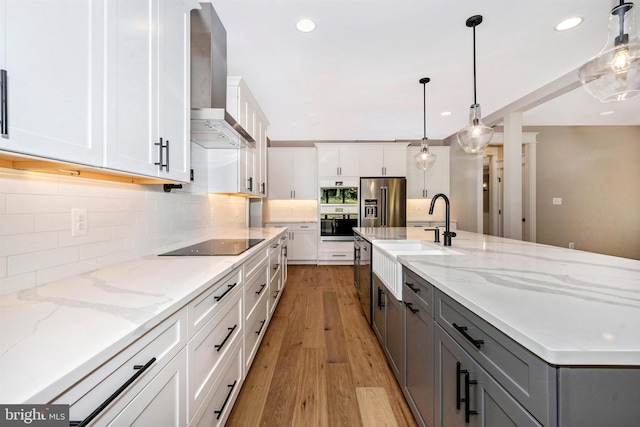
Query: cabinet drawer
{"type": "Point", "coordinates": [220, 399]}
{"type": "Point", "coordinates": [275, 286]}
{"type": "Point", "coordinates": [206, 305]}
{"type": "Point", "coordinates": [530, 380]}
{"type": "Point", "coordinates": [208, 348]}
{"type": "Point", "coordinates": [256, 326]}
{"type": "Point", "coordinates": [255, 288]}
{"type": "Point", "coordinates": [274, 264]}
{"type": "Point", "coordinates": [465, 390]}
{"type": "Point", "coordinates": [162, 342]}
{"type": "Point", "coordinates": [253, 263]}
{"type": "Point", "coordinates": [418, 287]}
{"type": "Point", "coordinates": [304, 226]}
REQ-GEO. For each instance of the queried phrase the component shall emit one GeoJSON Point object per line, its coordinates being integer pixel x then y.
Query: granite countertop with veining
{"type": "Point", "coordinates": [52, 336]}
{"type": "Point", "coordinates": [566, 306]}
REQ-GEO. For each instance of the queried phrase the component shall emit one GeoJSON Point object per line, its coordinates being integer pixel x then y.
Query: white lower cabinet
{"type": "Point", "coordinates": [188, 370]}
{"type": "Point", "coordinates": [332, 252]}
{"type": "Point", "coordinates": [137, 366]}
{"type": "Point", "coordinates": [302, 245]}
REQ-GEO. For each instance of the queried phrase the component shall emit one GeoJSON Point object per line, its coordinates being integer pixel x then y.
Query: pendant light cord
{"type": "Point", "coordinates": [424, 108]}
{"type": "Point", "coordinates": [475, 101]}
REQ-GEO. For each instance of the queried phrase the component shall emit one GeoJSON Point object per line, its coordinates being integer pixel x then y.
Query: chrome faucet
{"type": "Point", "coordinates": [447, 233]}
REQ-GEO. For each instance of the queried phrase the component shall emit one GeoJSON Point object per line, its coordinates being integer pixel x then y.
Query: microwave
{"type": "Point", "coordinates": [339, 193]}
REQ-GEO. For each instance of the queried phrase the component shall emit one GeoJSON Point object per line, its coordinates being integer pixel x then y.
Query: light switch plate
{"type": "Point", "coordinates": [557, 200]}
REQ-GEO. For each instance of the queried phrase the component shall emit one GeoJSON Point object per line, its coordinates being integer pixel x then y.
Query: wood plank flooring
{"type": "Point", "coordinates": [320, 363]}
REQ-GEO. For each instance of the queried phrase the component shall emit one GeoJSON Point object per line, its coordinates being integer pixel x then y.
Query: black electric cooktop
{"type": "Point", "coordinates": [215, 247]}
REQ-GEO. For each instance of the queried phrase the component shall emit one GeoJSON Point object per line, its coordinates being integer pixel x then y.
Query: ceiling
{"type": "Point", "coordinates": [356, 77]}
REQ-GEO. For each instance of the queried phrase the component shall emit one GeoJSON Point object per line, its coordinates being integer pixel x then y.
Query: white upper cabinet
{"type": "Point", "coordinates": [53, 53]}
{"type": "Point", "coordinates": [99, 83]}
{"type": "Point", "coordinates": [292, 173]}
{"type": "Point", "coordinates": [426, 184]}
{"type": "Point", "coordinates": [147, 88]}
{"type": "Point", "coordinates": [385, 160]}
{"type": "Point", "coordinates": [338, 160]}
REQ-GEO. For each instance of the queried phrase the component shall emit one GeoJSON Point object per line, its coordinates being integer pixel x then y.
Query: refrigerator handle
{"type": "Point", "coordinates": [384, 207]}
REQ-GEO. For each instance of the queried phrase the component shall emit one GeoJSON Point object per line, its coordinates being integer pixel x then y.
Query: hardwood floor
{"type": "Point", "coordinates": [320, 363]}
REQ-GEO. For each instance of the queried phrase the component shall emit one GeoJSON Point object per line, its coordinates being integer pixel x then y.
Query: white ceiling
{"type": "Point", "coordinates": [356, 76]}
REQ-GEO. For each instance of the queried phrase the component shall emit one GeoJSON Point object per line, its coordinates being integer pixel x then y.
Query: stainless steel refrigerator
{"type": "Point", "coordinates": [383, 202]}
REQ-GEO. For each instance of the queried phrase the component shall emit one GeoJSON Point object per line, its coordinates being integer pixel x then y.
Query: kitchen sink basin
{"type": "Point", "coordinates": [385, 259]}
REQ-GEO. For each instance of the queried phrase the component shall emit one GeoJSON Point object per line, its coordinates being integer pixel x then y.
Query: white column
{"type": "Point", "coordinates": [513, 176]}
{"type": "Point", "coordinates": [530, 215]}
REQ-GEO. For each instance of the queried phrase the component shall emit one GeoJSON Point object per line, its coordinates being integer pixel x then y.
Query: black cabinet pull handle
{"type": "Point", "coordinates": [4, 110]}
{"type": "Point", "coordinates": [261, 289]}
{"type": "Point", "coordinates": [221, 345]}
{"type": "Point", "coordinates": [275, 294]}
{"type": "Point", "coordinates": [262, 322]}
{"type": "Point", "coordinates": [161, 164]}
{"type": "Point", "coordinates": [380, 293]}
{"type": "Point", "coordinates": [410, 307]}
{"type": "Point", "coordinates": [224, 404]}
{"type": "Point", "coordinates": [467, 400]}
{"type": "Point", "coordinates": [410, 285]}
{"type": "Point", "coordinates": [463, 331]}
{"type": "Point", "coordinates": [123, 387]}
{"type": "Point", "coordinates": [277, 266]}
{"type": "Point", "coordinates": [229, 287]}
{"type": "Point", "coordinates": [458, 398]}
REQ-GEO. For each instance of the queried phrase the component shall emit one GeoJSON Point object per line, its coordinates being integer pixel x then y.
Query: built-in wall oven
{"type": "Point", "coordinates": [338, 210]}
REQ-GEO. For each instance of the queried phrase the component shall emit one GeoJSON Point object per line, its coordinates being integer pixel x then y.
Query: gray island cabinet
{"type": "Point", "coordinates": [511, 333]}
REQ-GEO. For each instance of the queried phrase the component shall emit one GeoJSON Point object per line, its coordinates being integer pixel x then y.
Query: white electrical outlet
{"type": "Point", "coordinates": [571, 245]}
{"type": "Point", "coordinates": [557, 200]}
{"type": "Point", "coordinates": [79, 224]}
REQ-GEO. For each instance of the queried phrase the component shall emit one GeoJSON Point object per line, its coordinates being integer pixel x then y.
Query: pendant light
{"type": "Point", "coordinates": [614, 74]}
{"type": "Point", "coordinates": [425, 158]}
{"type": "Point", "coordinates": [476, 135]}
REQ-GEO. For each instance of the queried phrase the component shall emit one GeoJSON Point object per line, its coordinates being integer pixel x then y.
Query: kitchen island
{"type": "Point", "coordinates": [575, 314]}
{"type": "Point", "coordinates": [62, 341]}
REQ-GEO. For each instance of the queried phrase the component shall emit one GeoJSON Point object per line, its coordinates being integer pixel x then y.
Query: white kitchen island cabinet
{"type": "Point", "coordinates": [103, 86]}
{"type": "Point", "coordinates": [426, 184]}
{"type": "Point", "coordinates": [292, 173]}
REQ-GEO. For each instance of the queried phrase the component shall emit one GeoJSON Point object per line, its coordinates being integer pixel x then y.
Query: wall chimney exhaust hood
{"type": "Point", "coordinates": [211, 125]}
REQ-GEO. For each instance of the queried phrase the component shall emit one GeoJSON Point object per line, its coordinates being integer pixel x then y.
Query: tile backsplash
{"type": "Point", "coordinates": [124, 221]}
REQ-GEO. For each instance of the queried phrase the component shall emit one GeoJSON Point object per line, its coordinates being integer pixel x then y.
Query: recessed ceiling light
{"type": "Point", "coordinates": [445, 113]}
{"type": "Point", "coordinates": [606, 113]}
{"type": "Point", "coordinates": [569, 23]}
{"type": "Point", "coordinates": [305, 25]}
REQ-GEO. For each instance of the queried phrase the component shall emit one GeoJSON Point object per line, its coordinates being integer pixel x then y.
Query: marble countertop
{"type": "Point", "coordinates": [54, 335]}
{"type": "Point", "coordinates": [568, 307]}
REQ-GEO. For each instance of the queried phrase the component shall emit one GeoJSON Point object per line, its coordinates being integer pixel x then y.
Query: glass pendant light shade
{"type": "Point", "coordinates": [424, 159]}
{"type": "Point", "coordinates": [614, 74]}
{"type": "Point", "coordinates": [474, 137]}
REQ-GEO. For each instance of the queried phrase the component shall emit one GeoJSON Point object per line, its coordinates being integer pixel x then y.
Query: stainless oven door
{"type": "Point", "coordinates": [337, 227]}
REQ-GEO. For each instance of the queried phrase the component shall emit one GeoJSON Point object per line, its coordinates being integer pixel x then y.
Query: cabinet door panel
{"type": "Point", "coordinates": [328, 161]}
{"type": "Point", "coordinates": [395, 161]}
{"type": "Point", "coordinates": [349, 161]}
{"type": "Point", "coordinates": [304, 174]}
{"type": "Point", "coordinates": [173, 88]}
{"type": "Point", "coordinates": [395, 337]}
{"type": "Point", "coordinates": [303, 246]}
{"type": "Point", "coordinates": [279, 176]}
{"type": "Point", "coordinates": [132, 86]}
{"type": "Point", "coordinates": [371, 161]}
{"type": "Point", "coordinates": [55, 70]}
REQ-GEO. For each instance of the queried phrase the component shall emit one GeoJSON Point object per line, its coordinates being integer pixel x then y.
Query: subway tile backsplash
{"type": "Point", "coordinates": [125, 221]}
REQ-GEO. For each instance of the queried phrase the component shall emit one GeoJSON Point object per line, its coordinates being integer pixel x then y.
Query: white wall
{"type": "Point", "coordinates": [125, 221]}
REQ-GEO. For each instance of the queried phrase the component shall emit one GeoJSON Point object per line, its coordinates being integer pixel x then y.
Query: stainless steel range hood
{"type": "Point", "coordinates": [211, 125]}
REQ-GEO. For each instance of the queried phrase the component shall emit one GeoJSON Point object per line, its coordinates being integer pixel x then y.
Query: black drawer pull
{"type": "Point", "coordinates": [410, 307]}
{"type": "Point", "coordinates": [262, 322]}
{"type": "Point", "coordinates": [114, 396]}
{"type": "Point", "coordinates": [463, 331]}
{"type": "Point", "coordinates": [261, 289]}
{"type": "Point", "coordinates": [4, 112]}
{"type": "Point", "coordinates": [219, 346]}
{"type": "Point", "coordinates": [277, 266]}
{"type": "Point", "coordinates": [275, 294]}
{"type": "Point", "coordinates": [224, 404]}
{"type": "Point", "coordinates": [380, 303]}
{"type": "Point", "coordinates": [229, 287]}
{"type": "Point", "coordinates": [410, 285]}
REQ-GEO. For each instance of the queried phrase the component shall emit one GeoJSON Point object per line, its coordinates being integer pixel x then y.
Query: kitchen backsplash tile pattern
{"type": "Point", "coordinates": [292, 210]}
{"type": "Point", "coordinates": [125, 221]}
